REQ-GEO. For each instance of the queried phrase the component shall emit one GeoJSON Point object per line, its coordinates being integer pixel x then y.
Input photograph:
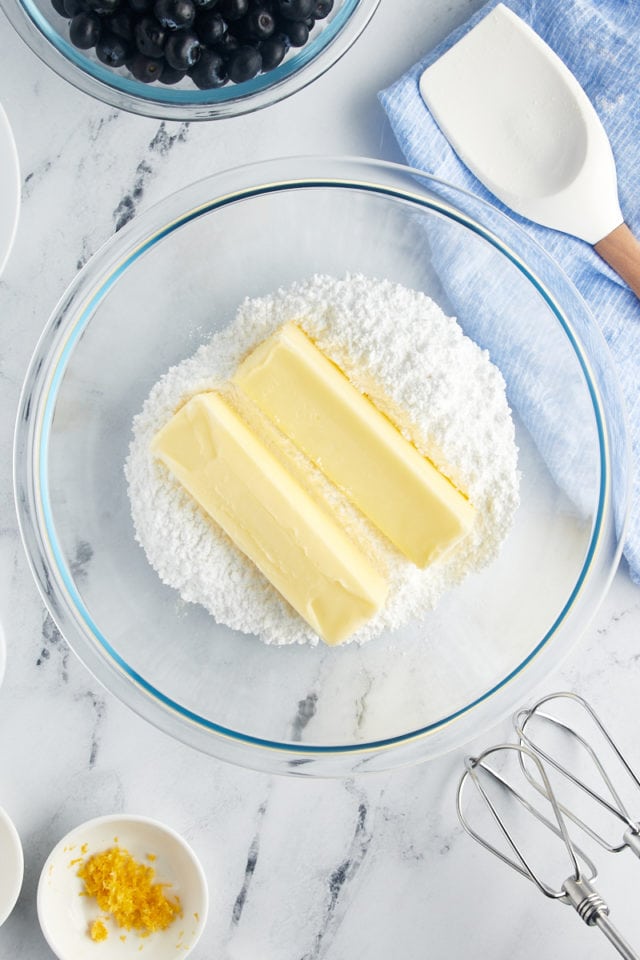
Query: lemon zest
{"type": "Point", "coordinates": [125, 889]}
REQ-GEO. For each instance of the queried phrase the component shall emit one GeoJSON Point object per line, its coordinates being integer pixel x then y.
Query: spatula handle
{"type": "Point", "coordinates": [621, 251]}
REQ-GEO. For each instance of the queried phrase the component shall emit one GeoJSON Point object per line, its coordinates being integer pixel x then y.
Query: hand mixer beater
{"type": "Point", "coordinates": [538, 756]}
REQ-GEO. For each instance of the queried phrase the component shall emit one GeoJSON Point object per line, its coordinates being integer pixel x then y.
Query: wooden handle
{"type": "Point", "coordinates": [621, 250]}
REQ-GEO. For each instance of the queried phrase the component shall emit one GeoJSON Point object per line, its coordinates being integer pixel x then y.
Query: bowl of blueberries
{"type": "Point", "coordinates": [189, 59]}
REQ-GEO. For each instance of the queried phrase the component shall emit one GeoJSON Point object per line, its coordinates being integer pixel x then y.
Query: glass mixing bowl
{"type": "Point", "coordinates": [159, 288]}
{"type": "Point", "coordinates": [47, 34]}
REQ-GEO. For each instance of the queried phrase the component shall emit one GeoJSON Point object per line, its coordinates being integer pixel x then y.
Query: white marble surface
{"type": "Point", "coordinates": [298, 870]}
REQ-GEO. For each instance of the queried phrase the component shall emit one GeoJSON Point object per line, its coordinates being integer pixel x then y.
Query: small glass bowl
{"type": "Point", "coordinates": [163, 285]}
{"type": "Point", "coordinates": [47, 34]}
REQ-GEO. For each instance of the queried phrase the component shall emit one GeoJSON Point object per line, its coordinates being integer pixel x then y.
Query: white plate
{"type": "Point", "coordinates": [65, 914]}
{"type": "Point", "coordinates": [11, 866]}
{"type": "Point", "coordinates": [9, 189]}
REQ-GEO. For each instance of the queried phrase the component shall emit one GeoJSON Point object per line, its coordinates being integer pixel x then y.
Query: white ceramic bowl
{"type": "Point", "coordinates": [11, 865]}
{"type": "Point", "coordinates": [65, 913]}
{"type": "Point", "coordinates": [9, 189]}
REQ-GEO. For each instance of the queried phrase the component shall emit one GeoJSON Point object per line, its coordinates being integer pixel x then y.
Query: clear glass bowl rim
{"type": "Point", "coordinates": [30, 480]}
{"type": "Point", "coordinates": [167, 103]}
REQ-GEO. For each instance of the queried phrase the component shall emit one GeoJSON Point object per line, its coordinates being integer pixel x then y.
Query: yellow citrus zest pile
{"type": "Point", "coordinates": [98, 931]}
{"type": "Point", "coordinates": [124, 888]}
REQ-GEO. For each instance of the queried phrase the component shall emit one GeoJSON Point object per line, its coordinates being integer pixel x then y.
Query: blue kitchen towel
{"type": "Point", "coordinates": [599, 40]}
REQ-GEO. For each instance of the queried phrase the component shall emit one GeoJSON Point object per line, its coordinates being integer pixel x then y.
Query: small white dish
{"type": "Point", "coordinates": [11, 865]}
{"type": "Point", "coordinates": [9, 189]}
{"type": "Point", "coordinates": [65, 914]}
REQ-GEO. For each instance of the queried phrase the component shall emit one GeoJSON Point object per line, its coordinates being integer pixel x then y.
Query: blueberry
{"type": "Point", "coordinates": [84, 30]}
{"type": "Point", "coordinates": [113, 50]}
{"type": "Point", "coordinates": [171, 76]}
{"type": "Point", "coordinates": [73, 7]}
{"type": "Point", "coordinates": [322, 9]}
{"type": "Point", "coordinates": [121, 24]}
{"type": "Point", "coordinates": [182, 50]}
{"type": "Point", "coordinates": [175, 14]}
{"type": "Point", "coordinates": [210, 27]}
{"type": "Point", "coordinates": [59, 7]}
{"type": "Point", "coordinates": [273, 52]}
{"type": "Point", "coordinates": [227, 46]}
{"type": "Point", "coordinates": [102, 7]}
{"type": "Point", "coordinates": [212, 41]}
{"type": "Point", "coordinates": [259, 23]}
{"type": "Point", "coordinates": [233, 9]}
{"type": "Point", "coordinates": [210, 71]}
{"type": "Point", "coordinates": [150, 37]}
{"type": "Point", "coordinates": [296, 9]}
{"type": "Point", "coordinates": [145, 69]}
{"type": "Point", "coordinates": [283, 37]}
{"type": "Point", "coordinates": [296, 31]}
{"type": "Point", "coordinates": [244, 64]}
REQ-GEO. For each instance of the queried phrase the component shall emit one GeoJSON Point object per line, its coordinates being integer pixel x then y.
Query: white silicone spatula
{"type": "Point", "coordinates": [521, 122]}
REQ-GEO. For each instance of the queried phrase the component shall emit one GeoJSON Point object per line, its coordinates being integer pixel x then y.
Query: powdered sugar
{"type": "Point", "coordinates": [416, 365]}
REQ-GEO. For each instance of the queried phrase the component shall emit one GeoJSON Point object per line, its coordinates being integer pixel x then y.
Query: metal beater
{"type": "Point", "coordinates": [577, 889]}
{"type": "Point", "coordinates": [613, 805]}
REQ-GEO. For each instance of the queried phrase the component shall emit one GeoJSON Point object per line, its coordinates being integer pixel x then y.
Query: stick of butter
{"type": "Point", "coordinates": [296, 544]}
{"type": "Point", "coordinates": [314, 404]}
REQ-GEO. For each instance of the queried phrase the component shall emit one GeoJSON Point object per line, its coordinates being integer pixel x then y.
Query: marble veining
{"type": "Point", "coordinates": [306, 712]}
{"type": "Point", "coordinates": [53, 643]}
{"type": "Point", "coordinates": [98, 706]}
{"type": "Point", "coordinates": [250, 867]}
{"type": "Point", "coordinates": [159, 146]}
{"type": "Point", "coordinates": [341, 878]}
